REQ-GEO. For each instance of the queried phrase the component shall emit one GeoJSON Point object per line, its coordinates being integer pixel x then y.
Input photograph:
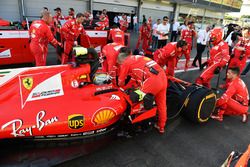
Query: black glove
{"type": "Point", "coordinates": [217, 70]}
{"type": "Point", "coordinates": [241, 57]}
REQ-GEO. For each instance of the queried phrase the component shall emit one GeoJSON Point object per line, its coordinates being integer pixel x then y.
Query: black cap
{"type": "Point", "coordinates": [190, 22]}
{"type": "Point", "coordinates": [57, 9]}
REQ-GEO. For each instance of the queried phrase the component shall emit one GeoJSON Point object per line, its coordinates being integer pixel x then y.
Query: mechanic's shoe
{"type": "Point", "coordinates": [194, 65]}
{"type": "Point", "coordinates": [217, 117]}
{"type": "Point", "coordinates": [244, 118]}
{"type": "Point", "coordinates": [161, 130]}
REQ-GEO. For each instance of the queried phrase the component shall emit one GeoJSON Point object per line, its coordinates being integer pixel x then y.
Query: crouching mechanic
{"type": "Point", "coordinates": [235, 100]}
{"type": "Point", "coordinates": [219, 57]}
{"type": "Point", "coordinates": [151, 78]}
{"type": "Point", "coordinates": [110, 53]}
{"type": "Point", "coordinates": [70, 32]}
{"type": "Point", "coordinates": [40, 36]}
{"type": "Point", "coordinates": [168, 55]}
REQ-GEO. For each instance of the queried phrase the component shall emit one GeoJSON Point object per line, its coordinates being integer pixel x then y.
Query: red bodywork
{"type": "Point", "coordinates": [47, 101]}
{"type": "Point", "coordinates": [14, 46]}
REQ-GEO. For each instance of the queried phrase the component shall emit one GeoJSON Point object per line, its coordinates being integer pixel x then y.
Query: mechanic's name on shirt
{"type": "Point", "coordinates": [17, 124]}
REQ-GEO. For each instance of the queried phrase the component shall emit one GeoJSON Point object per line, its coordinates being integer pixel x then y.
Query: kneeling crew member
{"type": "Point", "coordinates": [151, 78]}
{"type": "Point", "coordinates": [235, 100]}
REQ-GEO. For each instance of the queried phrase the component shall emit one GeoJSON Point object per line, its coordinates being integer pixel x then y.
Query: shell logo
{"type": "Point", "coordinates": [103, 116]}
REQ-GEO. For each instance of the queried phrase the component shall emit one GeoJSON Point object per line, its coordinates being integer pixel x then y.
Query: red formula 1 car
{"type": "Point", "coordinates": [72, 101]}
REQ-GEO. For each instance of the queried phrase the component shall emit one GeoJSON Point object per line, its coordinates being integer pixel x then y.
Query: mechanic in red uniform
{"type": "Point", "coordinates": [110, 53]}
{"type": "Point", "coordinates": [219, 57]}
{"type": "Point", "coordinates": [144, 36]}
{"type": "Point", "coordinates": [123, 23]}
{"type": "Point", "coordinates": [40, 36]}
{"type": "Point", "coordinates": [116, 35]}
{"type": "Point", "coordinates": [235, 100]}
{"type": "Point", "coordinates": [151, 78]}
{"type": "Point", "coordinates": [71, 15]}
{"type": "Point", "coordinates": [168, 55]}
{"type": "Point", "coordinates": [241, 51]}
{"type": "Point", "coordinates": [56, 26]}
{"type": "Point", "coordinates": [70, 32]}
{"type": "Point", "coordinates": [188, 34]}
{"type": "Point", "coordinates": [104, 18]}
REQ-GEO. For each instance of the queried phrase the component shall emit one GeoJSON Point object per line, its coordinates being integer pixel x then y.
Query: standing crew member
{"type": "Point", "coordinates": [151, 78]}
{"type": "Point", "coordinates": [70, 32]}
{"type": "Point", "coordinates": [71, 15]}
{"type": "Point", "coordinates": [235, 100]}
{"type": "Point", "coordinates": [241, 52]}
{"type": "Point", "coordinates": [56, 26]}
{"type": "Point", "coordinates": [188, 34]}
{"type": "Point", "coordinates": [168, 55]}
{"type": "Point", "coordinates": [40, 36]}
{"type": "Point", "coordinates": [219, 57]}
{"type": "Point", "coordinates": [123, 23]}
{"type": "Point", "coordinates": [144, 36]}
{"type": "Point", "coordinates": [116, 35]}
{"type": "Point", "coordinates": [104, 18]}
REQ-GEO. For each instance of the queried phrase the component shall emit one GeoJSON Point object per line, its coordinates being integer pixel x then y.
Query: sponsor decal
{"type": "Point", "coordinates": [4, 73]}
{"type": "Point", "coordinates": [115, 97]}
{"type": "Point", "coordinates": [74, 84]}
{"type": "Point", "coordinates": [5, 54]}
{"type": "Point", "coordinates": [40, 86]}
{"type": "Point", "coordinates": [103, 116]}
{"type": "Point", "coordinates": [45, 93]}
{"type": "Point", "coordinates": [40, 124]}
{"type": "Point", "coordinates": [83, 76]}
{"type": "Point", "coordinates": [76, 121]}
{"type": "Point", "coordinates": [27, 82]}
{"type": "Point", "coordinates": [104, 88]}
{"type": "Point", "coordinates": [7, 75]}
{"type": "Point", "coordinates": [14, 34]}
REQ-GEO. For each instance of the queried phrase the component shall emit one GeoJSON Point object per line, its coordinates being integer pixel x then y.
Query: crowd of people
{"type": "Point", "coordinates": [146, 72]}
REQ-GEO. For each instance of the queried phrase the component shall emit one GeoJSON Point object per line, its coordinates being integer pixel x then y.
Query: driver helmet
{"type": "Point", "coordinates": [216, 35]}
{"type": "Point", "coordinates": [101, 78]}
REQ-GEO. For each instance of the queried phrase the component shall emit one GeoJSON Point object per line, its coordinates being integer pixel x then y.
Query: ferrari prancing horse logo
{"type": "Point", "coordinates": [28, 82]}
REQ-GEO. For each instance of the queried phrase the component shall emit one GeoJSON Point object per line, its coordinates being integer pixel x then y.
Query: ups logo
{"type": "Point", "coordinates": [76, 121]}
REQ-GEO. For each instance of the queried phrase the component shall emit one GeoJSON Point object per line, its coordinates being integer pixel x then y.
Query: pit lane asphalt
{"type": "Point", "coordinates": [184, 143]}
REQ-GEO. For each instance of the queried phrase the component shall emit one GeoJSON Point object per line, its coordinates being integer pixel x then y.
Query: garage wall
{"type": "Point", "coordinates": [155, 14]}
{"type": "Point", "coordinates": [33, 8]}
{"type": "Point", "coordinates": [113, 8]}
{"type": "Point", "coordinates": [213, 14]}
{"type": "Point", "coordinates": [156, 10]}
{"type": "Point", "coordinates": [119, 2]}
{"type": "Point", "coordinates": [9, 10]}
{"type": "Point", "coordinates": [200, 12]}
